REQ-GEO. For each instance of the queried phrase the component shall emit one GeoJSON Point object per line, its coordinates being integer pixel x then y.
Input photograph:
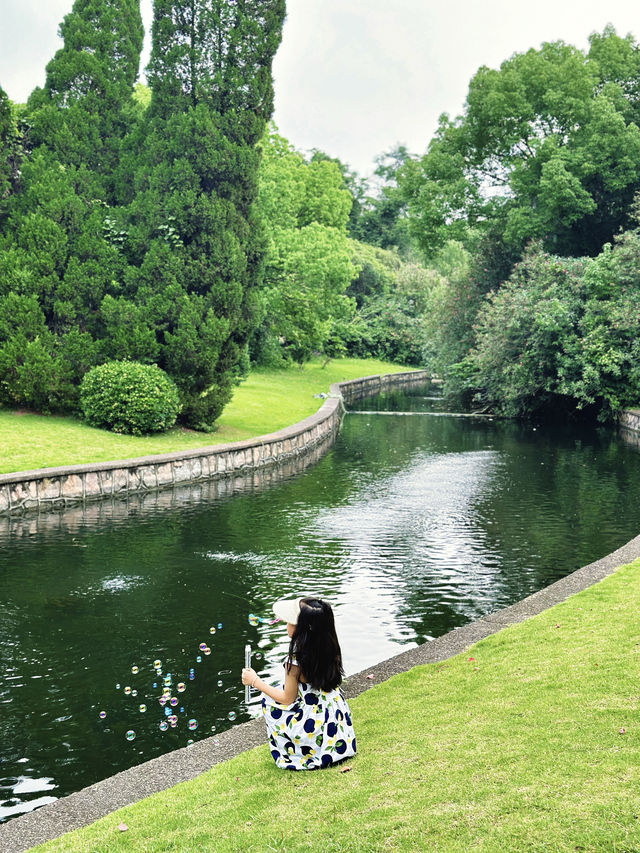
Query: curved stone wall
{"type": "Point", "coordinates": [51, 488]}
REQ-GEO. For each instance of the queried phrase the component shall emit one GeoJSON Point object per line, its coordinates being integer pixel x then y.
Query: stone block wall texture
{"type": "Point", "coordinates": [58, 488]}
{"type": "Point", "coordinates": [629, 422]}
{"type": "Point", "coordinates": [630, 419]}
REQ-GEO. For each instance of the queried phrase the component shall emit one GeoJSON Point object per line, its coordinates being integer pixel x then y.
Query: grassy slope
{"type": "Point", "coordinates": [513, 746]}
{"type": "Point", "coordinates": [267, 401]}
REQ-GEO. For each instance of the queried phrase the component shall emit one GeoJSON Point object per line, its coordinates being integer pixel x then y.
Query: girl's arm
{"type": "Point", "coordinates": [285, 695]}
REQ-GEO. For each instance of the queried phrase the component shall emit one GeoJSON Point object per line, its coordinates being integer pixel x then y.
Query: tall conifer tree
{"type": "Point", "coordinates": [197, 238]}
{"type": "Point", "coordinates": [82, 113]}
{"type": "Point", "coordinates": [60, 256]}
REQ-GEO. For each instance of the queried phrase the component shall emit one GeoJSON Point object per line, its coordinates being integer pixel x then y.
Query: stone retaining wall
{"type": "Point", "coordinates": [629, 422]}
{"type": "Point", "coordinates": [51, 488]}
{"type": "Point", "coordinates": [630, 419]}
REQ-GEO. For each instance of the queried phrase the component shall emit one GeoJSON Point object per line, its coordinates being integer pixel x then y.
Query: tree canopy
{"type": "Point", "coordinates": [305, 208]}
{"type": "Point", "coordinates": [548, 147]}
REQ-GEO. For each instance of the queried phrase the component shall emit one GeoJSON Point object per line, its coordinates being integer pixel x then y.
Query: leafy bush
{"type": "Point", "coordinates": [125, 396]}
{"type": "Point", "coordinates": [528, 351]}
{"type": "Point", "coordinates": [561, 334]}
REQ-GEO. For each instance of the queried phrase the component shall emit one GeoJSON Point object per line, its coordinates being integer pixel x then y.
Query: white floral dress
{"type": "Point", "coordinates": [314, 731]}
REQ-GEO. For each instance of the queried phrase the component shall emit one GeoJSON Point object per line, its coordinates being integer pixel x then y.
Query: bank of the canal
{"type": "Point", "coordinates": [526, 739]}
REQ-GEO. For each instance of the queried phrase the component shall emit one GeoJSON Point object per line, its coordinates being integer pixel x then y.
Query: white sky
{"type": "Point", "coordinates": [355, 77]}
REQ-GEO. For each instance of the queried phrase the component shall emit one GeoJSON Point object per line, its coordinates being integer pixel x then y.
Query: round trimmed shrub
{"type": "Point", "coordinates": [127, 397]}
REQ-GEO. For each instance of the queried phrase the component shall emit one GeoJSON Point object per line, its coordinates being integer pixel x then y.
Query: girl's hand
{"type": "Point", "coordinates": [248, 675]}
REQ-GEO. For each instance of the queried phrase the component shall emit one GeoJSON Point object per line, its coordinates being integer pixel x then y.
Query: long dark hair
{"type": "Point", "coordinates": [315, 647]}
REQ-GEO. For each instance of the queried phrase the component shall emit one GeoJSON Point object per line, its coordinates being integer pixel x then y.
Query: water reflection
{"type": "Point", "coordinates": [411, 526]}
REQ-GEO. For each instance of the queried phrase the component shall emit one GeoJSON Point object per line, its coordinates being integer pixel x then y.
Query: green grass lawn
{"type": "Point", "coordinates": [529, 741]}
{"type": "Point", "coordinates": [267, 401]}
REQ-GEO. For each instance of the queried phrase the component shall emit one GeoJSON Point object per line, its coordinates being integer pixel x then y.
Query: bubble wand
{"type": "Point", "coordinates": [247, 663]}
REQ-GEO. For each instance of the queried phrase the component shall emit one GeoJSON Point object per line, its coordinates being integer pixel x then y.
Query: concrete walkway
{"type": "Point", "coordinates": [104, 797]}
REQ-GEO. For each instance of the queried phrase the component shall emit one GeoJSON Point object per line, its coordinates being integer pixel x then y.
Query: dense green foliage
{"type": "Point", "coordinates": [390, 299]}
{"type": "Point", "coordinates": [508, 204]}
{"type": "Point", "coordinates": [305, 209]}
{"type": "Point", "coordinates": [548, 147]}
{"type": "Point", "coordinates": [133, 233]}
{"type": "Point", "coordinates": [561, 334]}
{"type": "Point", "coordinates": [82, 113]}
{"type": "Point", "coordinates": [380, 218]}
{"type": "Point", "coordinates": [58, 255]}
{"type": "Point", "coordinates": [169, 225]}
{"type": "Point", "coordinates": [127, 397]}
{"type": "Point", "coordinates": [324, 292]}
{"type": "Point", "coordinates": [195, 239]}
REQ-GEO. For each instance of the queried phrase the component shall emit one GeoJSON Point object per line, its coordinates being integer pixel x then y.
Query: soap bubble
{"type": "Point", "coordinates": [232, 715]}
{"type": "Point", "coordinates": [157, 664]}
{"type": "Point", "coordinates": [253, 620]}
{"type": "Point", "coordinates": [212, 630]}
{"type": "Point", "coordinates": [193, 725]}
{"type": "Point", "coordinates": [173, 725]}
{"type": "Point", "coordinates": [117, 687]}
{"type": "Point", "coordinates": [181, 687]}
{"type": "Point", "coordinates": [189, 743]}
{"type": "Point", "coordinates": [130, 735]}
{"type": "Point", "coordinates": [166, 692]}
{"type": "Point", "coordinates": [163, 726]}
{"type": "Point", "coordinates": [207, 651]}
{"type": "Point", "coordinates": [213, 728]}
{"type": "Point", "coordinates": [219, 626]}
{"type": "Point", "coordinates": [134, 692]}
{"type": "Point", "coordinates": [127, 690]}
{"type": "Point", "coordinates": [202, 646]}
{"type": "Point", "coordinates": [182, 710]}
{"type": "Point", "coordinates": [163, 701]}
{"type": "Point", "coordinates": [198, 659]}
{"type": "Point", "coordinates": [102, 714]}
{"type": "Point", "coordinates": [258, 656]}
{"type": "Point", "coordinates": [192, 675]}
{"type": "Point", "coordinates": [173, 701]}
{"type": "Point", "coordinates": [219, 682]}
{"type": "Point", "coordinates": [167, 712]}
{"type": "Point", "coordinates": [167, 681]}
{"type": "Point", "coordinates": [154, 685]}
{"type": "Point", "coordinates": [142, 708]}
{"type": "Point", "coordinates": [173, 719]}
{"type": "Point", "coordinates": [135, 670]}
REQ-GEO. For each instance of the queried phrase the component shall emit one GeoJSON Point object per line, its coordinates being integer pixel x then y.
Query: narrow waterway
{"type": "Point", "coordinates": [415, 522]}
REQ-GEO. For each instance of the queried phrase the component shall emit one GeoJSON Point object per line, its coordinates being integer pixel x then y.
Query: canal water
{"type": "Point", "coordinates": [415, 522]}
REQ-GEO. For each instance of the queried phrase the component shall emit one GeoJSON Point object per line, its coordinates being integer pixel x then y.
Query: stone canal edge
{"type": "Point", "coordinates": [29, 492]}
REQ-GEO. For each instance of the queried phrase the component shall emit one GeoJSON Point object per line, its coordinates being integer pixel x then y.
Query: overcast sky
{"type": "Point", "coordinates": [354, 77]}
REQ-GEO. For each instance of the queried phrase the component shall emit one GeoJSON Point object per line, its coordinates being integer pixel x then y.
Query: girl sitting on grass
{"type": "Point", "coordinates": [308, 719]}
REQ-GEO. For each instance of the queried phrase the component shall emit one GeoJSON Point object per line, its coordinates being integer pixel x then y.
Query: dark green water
{"type": "Point", "coordinates": [411, 525]}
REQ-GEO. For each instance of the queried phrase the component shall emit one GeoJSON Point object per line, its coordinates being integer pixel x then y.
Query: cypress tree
{"type": "Point", "coordinates": [83, 112]}
{"type": "Point", "coordinates": [61, 254]}
{"type": "Point", "coordinates": [196, 237]}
